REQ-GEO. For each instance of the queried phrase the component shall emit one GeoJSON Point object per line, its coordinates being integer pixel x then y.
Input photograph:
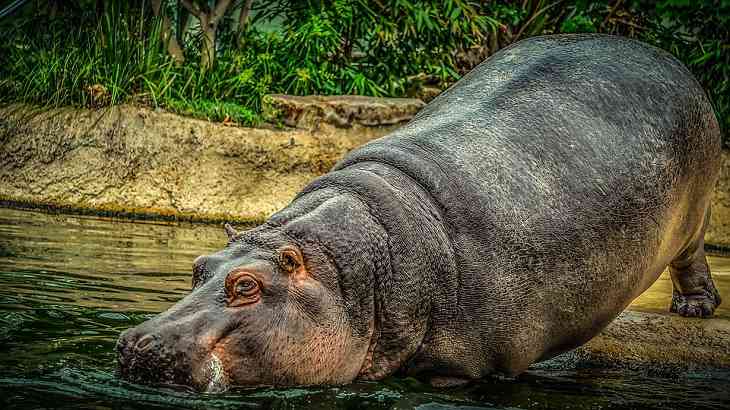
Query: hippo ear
{"type": "Point", "coordinates": [230, 232]}
{"type": "Point", "coordinates": [290, 259]}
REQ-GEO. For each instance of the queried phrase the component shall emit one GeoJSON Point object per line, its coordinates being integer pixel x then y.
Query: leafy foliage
{"type": "Point", "coordinates": [698, 33]}
{"type": "Point", "coordinates": [367, 47]}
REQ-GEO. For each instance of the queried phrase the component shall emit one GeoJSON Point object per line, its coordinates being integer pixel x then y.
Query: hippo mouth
{"type": "Point", "coordinates": [216, 375]}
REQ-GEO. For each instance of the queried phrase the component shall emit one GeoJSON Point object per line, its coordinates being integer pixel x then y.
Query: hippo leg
{"type": "Point", "coordinates": [694, 293]}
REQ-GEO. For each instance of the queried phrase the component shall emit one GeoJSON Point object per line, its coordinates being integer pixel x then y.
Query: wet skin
{"type": "Point", "coordinates": [515, 217]}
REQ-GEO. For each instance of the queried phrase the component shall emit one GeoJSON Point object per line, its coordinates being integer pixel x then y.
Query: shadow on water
{"type": "Point", "coordinates": [70, 285]}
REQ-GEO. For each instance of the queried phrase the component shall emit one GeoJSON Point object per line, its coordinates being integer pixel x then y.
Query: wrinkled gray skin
{"type": "Point", "coordinates": [516, 216]}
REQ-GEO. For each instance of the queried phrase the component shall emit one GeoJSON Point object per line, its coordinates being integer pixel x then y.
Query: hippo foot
{"type": "Point", "coordinates": [696, 305]}
{"type": "Point", "coordinates": [693, 292]}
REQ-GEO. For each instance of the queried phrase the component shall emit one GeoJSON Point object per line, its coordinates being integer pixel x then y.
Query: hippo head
{"type": "Point", "coordinates": [271, 309]}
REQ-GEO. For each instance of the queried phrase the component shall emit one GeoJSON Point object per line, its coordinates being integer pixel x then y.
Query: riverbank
{"type": "Point", "coordinates": [654, 343]}
{"type": "Point", "coordinates": [135, 162]}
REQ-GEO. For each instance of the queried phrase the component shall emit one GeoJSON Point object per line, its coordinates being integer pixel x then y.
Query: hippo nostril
{"type": "Point", "coordinates": [124, 342]}
{"type": "Point", "coordinates": [145, 343]}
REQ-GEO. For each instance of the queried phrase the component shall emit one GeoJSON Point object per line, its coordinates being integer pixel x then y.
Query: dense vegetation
{"type": "Point", "coordinates": [96, 53]}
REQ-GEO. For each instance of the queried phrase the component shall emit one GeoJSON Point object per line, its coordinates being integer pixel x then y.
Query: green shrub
{"type": "Point", "coordinates": [698, 33]}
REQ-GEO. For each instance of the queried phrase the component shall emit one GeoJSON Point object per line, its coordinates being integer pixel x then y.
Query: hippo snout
{"type": "Point", "coordinates": [143, 357]}
{"type": "Point", "coordinates": [138, 354]}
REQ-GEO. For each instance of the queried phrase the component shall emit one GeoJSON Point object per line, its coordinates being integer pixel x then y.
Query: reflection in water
{"type": "Point", "coordinates": [70, 285]}
{"type": "Point", "coordinates": [87, 262]}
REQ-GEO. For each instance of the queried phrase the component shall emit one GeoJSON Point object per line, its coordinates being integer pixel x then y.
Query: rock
{"type": "Point", "coordinates": [98, 94]}
{"type": "Point", "coordinates": [342, 111]}
{"type": "Point", "coordinates": [652, 342]}
{"type": "Point", "coordinates": [428, 93]}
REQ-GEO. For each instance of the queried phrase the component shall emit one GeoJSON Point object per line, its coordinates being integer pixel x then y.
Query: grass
{"type": "Point", "coordinates": [121, 60]}
{"type": "Point", "coordinates": [218, 111]}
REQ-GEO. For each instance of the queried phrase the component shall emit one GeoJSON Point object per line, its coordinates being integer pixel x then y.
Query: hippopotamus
{"type": "Point", "coordinates": [511, 220]}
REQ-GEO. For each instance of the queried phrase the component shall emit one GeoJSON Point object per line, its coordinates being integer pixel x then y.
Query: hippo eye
{"type": "Point", "coordinates": [242, 289]}
{"type": "Point", "coordinates": [246, 287]}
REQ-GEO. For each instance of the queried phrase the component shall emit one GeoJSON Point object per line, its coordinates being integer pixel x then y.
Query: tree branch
{"type": "Point", "coordinates": [243, 17]}
{"type": "Point", "coordinates": [534, 16]}
{"type": "Point", "coordinates": [220, 9]}
{"type": "Point", "coordinates": [192, 7]}
{"type": "Point", "coordinates": [611, 10]}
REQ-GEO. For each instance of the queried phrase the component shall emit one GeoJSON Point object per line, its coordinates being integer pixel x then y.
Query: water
{"type": "Point", "coordinates": [70, 285]}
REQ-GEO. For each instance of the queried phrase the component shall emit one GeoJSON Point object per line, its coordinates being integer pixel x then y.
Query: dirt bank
{"type": "Point", "coordinates": [138, 162]}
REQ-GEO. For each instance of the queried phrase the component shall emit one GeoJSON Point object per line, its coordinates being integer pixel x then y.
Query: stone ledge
{"type": "Point", "coordinates": [135, 162]}
{"type": "Point", "coordinates": [653, 342]}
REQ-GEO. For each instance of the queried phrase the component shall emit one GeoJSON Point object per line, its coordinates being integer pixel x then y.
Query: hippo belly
{"type": "Point", "coordinates": [512, 219]}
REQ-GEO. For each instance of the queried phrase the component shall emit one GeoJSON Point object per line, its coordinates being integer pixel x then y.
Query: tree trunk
{"type": "Point", "coordinates": [208, 18]}
{"type": "Point", "coordinates": [99, 9]}
{"type": "Point", "coordinates": [53, 10]}
{"type": "Point", "coordinates": [170, 41]}
{"type": "Point", "coordinates": [243, 21]}
{"type": "Point", "coordinates": [207, 54]}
